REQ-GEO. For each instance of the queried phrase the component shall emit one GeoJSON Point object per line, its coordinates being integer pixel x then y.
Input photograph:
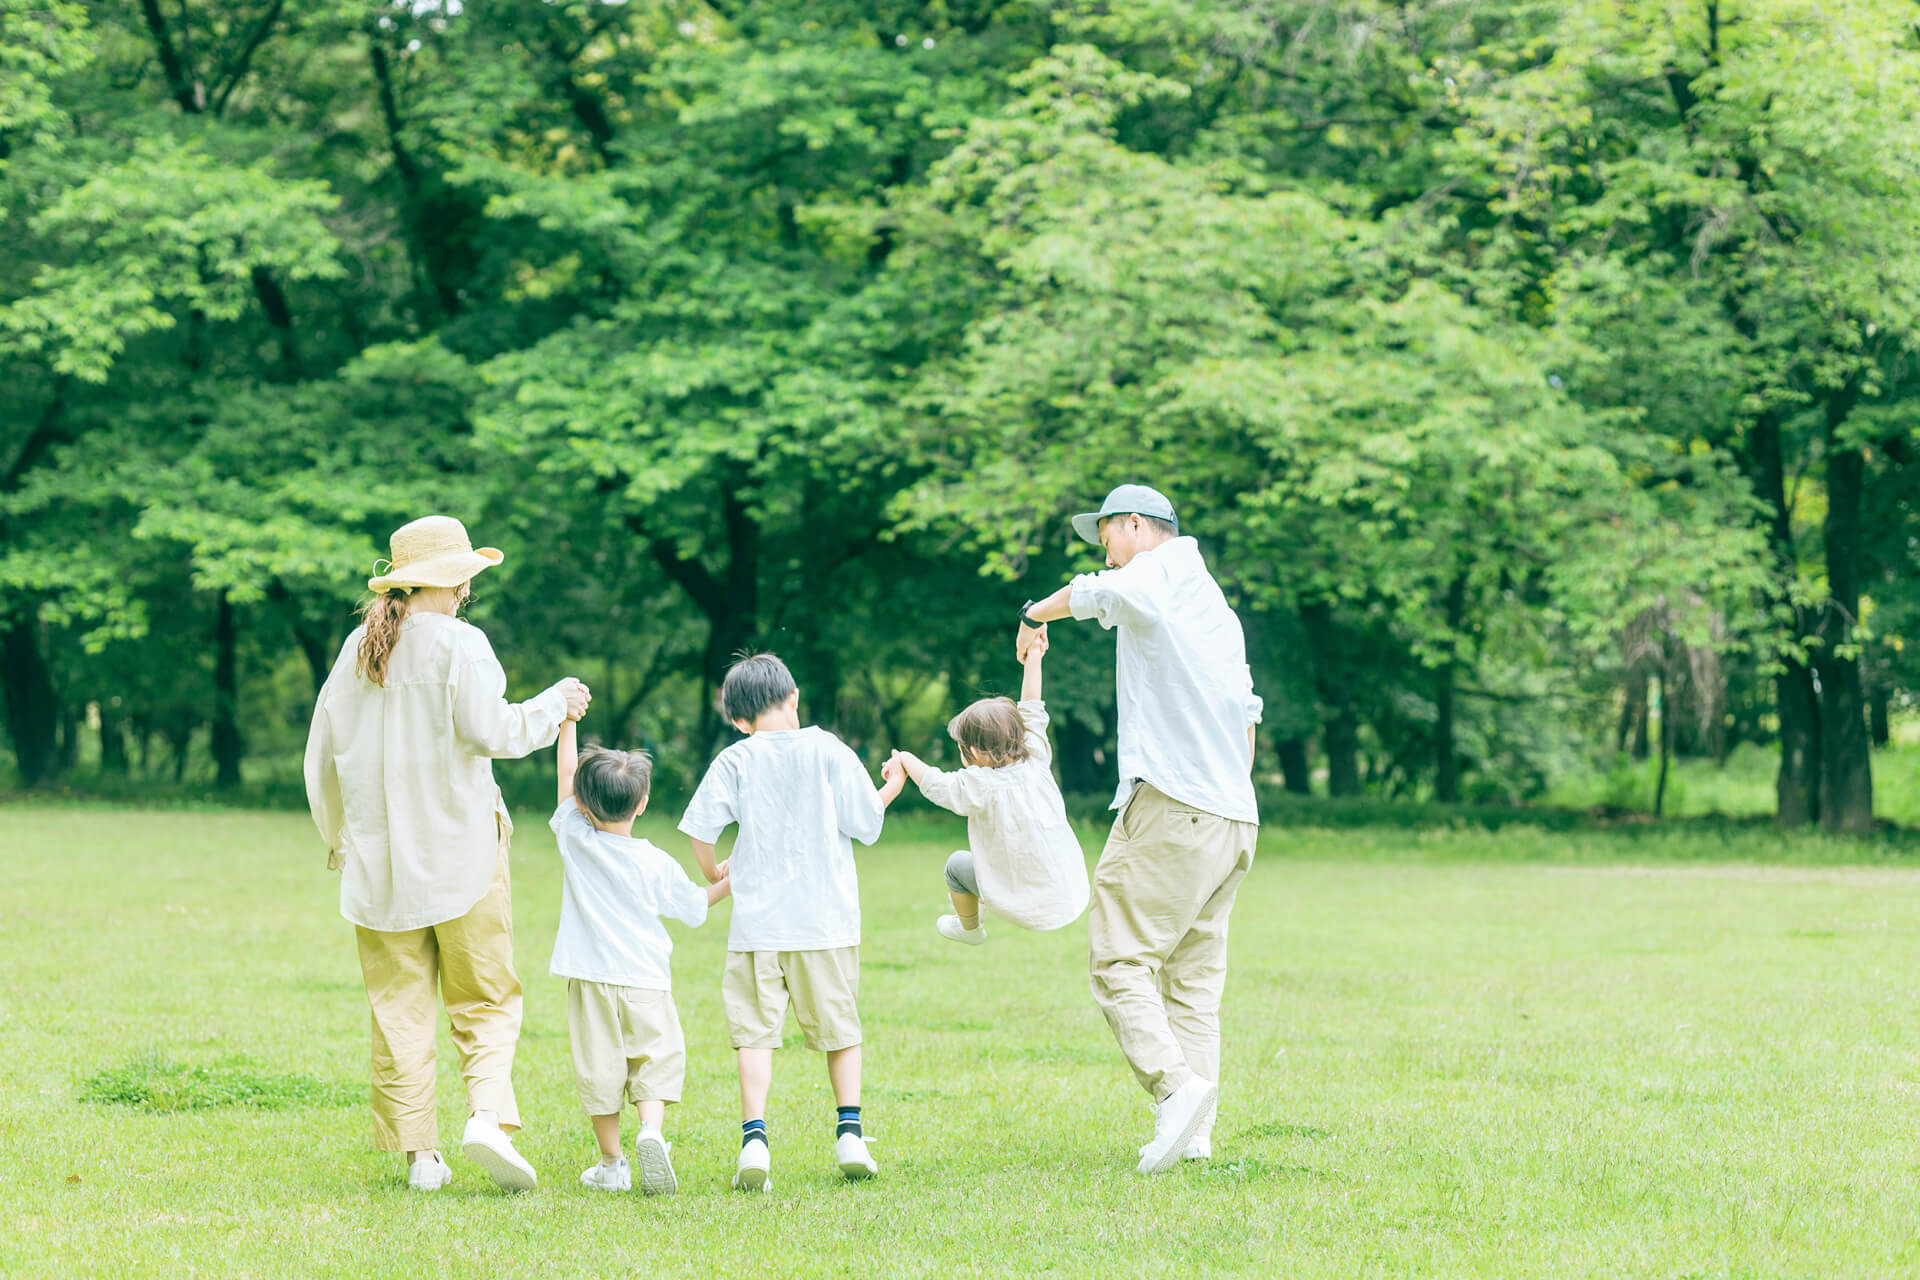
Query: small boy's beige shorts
{"type": "Point", "coordinates": [823, 986]}
{"type": "Point", "coordinates": [627, 1046]}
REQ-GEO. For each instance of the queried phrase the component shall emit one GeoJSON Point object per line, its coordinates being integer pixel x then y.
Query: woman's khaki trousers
{"type": "Point", "coordinates": [470, 961]}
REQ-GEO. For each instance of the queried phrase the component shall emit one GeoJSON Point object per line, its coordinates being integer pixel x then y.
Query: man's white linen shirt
{"type": "Point", "coordinates": [1025, 855]}
{"type": "Point", "coordinates": [614, 889]}
{"type": "Point", "coordinates": [400, 776]}
{"type": "Point", "coordinates": [800, 797]}
{"type": "Point", "coordinates": [1185, 692]}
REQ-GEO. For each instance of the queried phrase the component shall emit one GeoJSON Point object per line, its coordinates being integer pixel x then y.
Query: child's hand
{"type": "Point", "coordinates": [720, 872]}
{"type": "Point", "coordinates": [892, 770]}
{"type": "Point", "coordinates": [1037, 646]}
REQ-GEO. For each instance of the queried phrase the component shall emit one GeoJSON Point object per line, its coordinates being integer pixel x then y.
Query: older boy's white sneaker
{"type": "Point", "coordinates": [488, 1146]}
{"type": "Point", "coordinates": [1175, 1122]}
{"type": "Point", "coordinates": [755, 1170]}
{"type": "Point", "coordinates": [851, 1154]}
{"type": "Point", "coordinates": [652, 1153]}
{"type": "Point", "coordinates": [609, 1177]}
{"type": "Point", "coordinates": [950, 927]}
{"type": "Point", "coordinates": [428, 1173]}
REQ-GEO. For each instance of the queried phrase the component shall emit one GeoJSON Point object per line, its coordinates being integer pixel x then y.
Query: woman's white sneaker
{"type": "Point", "coordinates": [950, 927]}
{"type": "Point", "coordinates": [609, 1177]}
{"type": "Point", "coordinates": [428, 1173]}
{"type": "Point", "coordinates": [1175, 1122]}
{"type": "Point", "coordinates": [487, 1145]}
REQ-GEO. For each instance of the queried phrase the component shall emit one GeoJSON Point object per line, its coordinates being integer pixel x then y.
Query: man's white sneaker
{"type": "Point", "coordinates": [1175, 1122]}
{"type": "Point", "coordinates": [950, 927]}
{"type": "Point", "coordinates": [851, 1154]}
{"type": "Point", "coordinates": [652, 1153]}
{"type": "Point", "coordinates": [487, 1145]}
{"type": "Point", "coordinates": [428, 1173]}
{"type": "Point", "coordinates": [609, 1177]}
{"type": "Point", "coordinates": [755, 1170]}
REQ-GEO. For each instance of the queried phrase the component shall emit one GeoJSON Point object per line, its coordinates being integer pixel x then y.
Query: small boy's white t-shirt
{"type": "Point", "coordinates": [614, 890]}
{"type": "Point", "coordinates": [1025, 856]}
{"type": "Point", "coordinates": [800, 797]}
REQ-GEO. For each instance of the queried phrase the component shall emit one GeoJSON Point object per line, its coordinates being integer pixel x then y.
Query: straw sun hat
{"type": "Point", "coordinates": [433, 551]}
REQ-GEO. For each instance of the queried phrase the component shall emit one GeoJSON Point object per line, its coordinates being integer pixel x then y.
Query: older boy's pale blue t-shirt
{"type": "Point", "coordinates": [800, 797]}
{"type": "Point", "coordinates": [614, 889]}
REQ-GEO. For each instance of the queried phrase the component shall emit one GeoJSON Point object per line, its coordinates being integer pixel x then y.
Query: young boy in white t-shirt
{"type": "Point", "coordinates": [614, 952]}
{"type": "Point", "coordinates": [799, 797]}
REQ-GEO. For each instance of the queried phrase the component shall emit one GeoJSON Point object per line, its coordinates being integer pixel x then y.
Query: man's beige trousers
{"type": "Point", "coordinates": [1157, 934]}
{"type": "Point", "coordinates": [470, 960]}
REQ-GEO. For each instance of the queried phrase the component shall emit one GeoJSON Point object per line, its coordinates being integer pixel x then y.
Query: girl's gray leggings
{"type": "Point", "coordinates": [960, 878]}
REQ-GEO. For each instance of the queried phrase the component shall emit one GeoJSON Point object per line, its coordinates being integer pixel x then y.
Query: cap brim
{"type": "Point", "coordinates": [441, 571]}
{"type": "Point", "coordinates": [1088, 527]}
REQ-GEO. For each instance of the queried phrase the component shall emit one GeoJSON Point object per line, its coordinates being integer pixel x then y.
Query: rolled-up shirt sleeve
{"type": "Point", "coordinates": [323, 782]}
{"type": "Point", "coordinates": [492, 726]}
{"type": "Point", "coordinates": [1256, 705]}
{"type": "Point", "coordinates": [1033, 718]}
{"type": "Point", "coordinates": [1113, 598]}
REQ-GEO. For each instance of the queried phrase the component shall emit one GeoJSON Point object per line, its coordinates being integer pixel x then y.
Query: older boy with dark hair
{"type": "Point", "coordinates": [614, 953]}
{"type": "Point", "coordinates": [799, 796]}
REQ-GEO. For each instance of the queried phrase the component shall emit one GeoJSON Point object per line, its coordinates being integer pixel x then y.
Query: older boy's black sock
{"type": "Point", "coordinates": [849, 1122]}
{"type": "Point", "coordinates": [753, 1130]}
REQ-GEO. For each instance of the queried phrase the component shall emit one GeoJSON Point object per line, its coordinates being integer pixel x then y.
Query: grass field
{"type": "Point", "coordinates": [1672, 1054]}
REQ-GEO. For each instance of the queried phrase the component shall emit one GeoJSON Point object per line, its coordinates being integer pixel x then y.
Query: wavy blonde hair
{"type": "Point", "coordinates": [383, 614]}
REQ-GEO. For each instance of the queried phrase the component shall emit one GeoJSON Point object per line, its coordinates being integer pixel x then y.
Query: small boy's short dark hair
{"type": "Point", "coordinates": [612, 785]}
{"type": "Point", "coordinates": [753, 686]}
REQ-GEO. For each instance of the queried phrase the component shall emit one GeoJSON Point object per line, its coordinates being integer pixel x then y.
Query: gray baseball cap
{"type": "Point", "coordinates": [1128, 499]}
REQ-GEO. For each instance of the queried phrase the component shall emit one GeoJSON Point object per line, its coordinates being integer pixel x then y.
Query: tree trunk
{"type": "Point", "coordinates": [1797, 785]}
{"type": "Point", "coordinates": [226, 698]}
{"type": "Point", "coordinates": [1293, 765]}
{"type": "Point", "coordinates": [1340, 723]}
{"type": "Point", "coordinates": [1846, 760]}
{"type": "Point", "coordinates": [1633, 709]}
{"type": "Point", "coordinates": [113, 742]}
{"type": "Point", "coordinates": [1878, 729]}
{"type": "Point", "coordinates": [730, 604]}
{"type": "Point", "coordinates": [1080, 773]}
{"type": "Point", "coordinates": [33, 712]}
{"type": "Point", "coordinates": [1666, 744]}
{"type": "Point", "coordinates": [1446, 771]}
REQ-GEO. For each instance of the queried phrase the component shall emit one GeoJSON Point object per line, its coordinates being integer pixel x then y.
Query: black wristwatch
{"type": "Point", "coordinates": [1026, 621]}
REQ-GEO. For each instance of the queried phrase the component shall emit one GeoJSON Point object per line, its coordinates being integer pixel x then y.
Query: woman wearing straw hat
{"type": "Point", "coordinates": [400, 779]}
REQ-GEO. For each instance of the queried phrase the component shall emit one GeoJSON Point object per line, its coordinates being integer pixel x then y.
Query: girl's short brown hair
{"type": "Point", "coordinates": [991, 729]}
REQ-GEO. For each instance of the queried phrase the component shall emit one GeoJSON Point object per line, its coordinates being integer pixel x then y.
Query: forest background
{"type": "Point", "coordinates": [1540, 380]}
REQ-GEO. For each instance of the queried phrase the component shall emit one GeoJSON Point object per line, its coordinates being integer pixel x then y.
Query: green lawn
{"type": "Point", "coordinates": [1448, 1053]}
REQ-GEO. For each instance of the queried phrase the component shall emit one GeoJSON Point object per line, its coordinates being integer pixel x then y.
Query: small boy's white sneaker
{"type": "Point", "coordinates": [653, 1154]}
{"type": "Point", "coordinates": [1175, 1121]}
{"type": "Point", "coordinates": [617, 1176]}
{"type": "Point", "coordinates": [950, 927]}
{"type": "Point", "coordinates": [488, 1146]}
{"type": "Point", "coordinates": [755, 1170]}
{"type": "Point", "coordinates": [851, 1154]}
{"type": "Point", "coordinates": [428, 1173]}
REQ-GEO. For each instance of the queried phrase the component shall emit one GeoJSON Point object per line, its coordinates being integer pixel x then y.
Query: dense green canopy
{"type": "Point", "coordinates": [1506, 361]}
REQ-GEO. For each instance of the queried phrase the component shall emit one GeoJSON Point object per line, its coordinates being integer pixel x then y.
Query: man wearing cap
{"type": "Point", "coordinates": [1184, 835]}
{"type": "Point", "coordinates": [399, 772]}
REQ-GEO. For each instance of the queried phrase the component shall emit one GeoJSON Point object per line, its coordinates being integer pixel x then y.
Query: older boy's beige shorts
{"type": "Point", "coordinates": [627, 1046]}
{"type": "Point", "coordinates": [822, 984]}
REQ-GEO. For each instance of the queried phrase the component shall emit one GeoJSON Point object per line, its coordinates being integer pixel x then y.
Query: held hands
{"type": "Point", "coordinates": [578, 697]}
{"type": "Point", "coordinates": [893, 777]}
{"type": "Point", "coordinates": [1029, 642]}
